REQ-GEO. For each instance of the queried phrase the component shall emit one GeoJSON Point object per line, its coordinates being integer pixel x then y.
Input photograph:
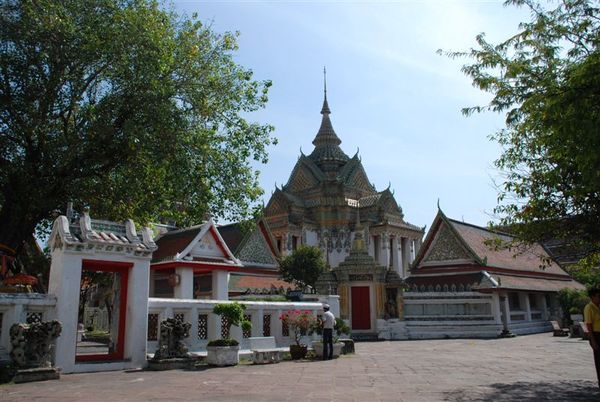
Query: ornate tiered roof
{"type": "Point", "coordinates": [328, 177]}
{"type": "Point", "coordinates": [326, 142]}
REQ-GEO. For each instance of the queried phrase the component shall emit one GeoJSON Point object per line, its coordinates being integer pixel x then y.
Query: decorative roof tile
{"type": "Point", "coordinates": [101, 235]}
{"type": "Point", "coordinates": [528, 259]}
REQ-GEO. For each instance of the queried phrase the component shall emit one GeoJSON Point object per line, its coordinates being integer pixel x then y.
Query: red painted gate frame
{"type": "Point", "coordinates": [122, 268]}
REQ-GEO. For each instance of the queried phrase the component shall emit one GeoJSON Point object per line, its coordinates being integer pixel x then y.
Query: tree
{"type": "Point", "coordinates": [572, 301]}
{"type": "Point", "coordinates": [303, 266]}
{"type": "Point", "coordinates": [546, 78]}
{"type": "Point", "coordinates": [233, 313]}
{"type": "Point", "coordinates": [586, 271]}
{"type": "Point", "coordinates": [125, 107]}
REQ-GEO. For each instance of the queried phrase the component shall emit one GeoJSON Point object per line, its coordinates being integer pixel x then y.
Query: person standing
{"type": "Point", "coordinates": [591, 314]}
{"type": "Point", "coordinates": [328, 324]}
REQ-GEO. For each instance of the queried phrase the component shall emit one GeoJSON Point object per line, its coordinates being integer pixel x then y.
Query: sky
{"type": "Point", "coordinates": [392, 97]}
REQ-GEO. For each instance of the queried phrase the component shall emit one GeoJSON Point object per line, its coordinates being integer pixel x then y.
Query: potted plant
{"type": "Point", "coordinates": [224, 351]}
{"type": "Point", "coordinates": [299, 322]}
{"type": "Point", "coordinates": [340, 328]}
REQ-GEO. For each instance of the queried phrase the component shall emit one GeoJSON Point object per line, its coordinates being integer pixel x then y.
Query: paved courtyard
{"type": "Point", "coordinates": [526, 368]}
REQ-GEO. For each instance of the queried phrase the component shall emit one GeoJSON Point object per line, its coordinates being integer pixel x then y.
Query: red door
{"type": "Point", "coordinates": [361, 307]}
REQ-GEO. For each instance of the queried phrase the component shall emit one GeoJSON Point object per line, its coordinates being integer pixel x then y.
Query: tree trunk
{"type": "Point", "coordinates": [17, 225]}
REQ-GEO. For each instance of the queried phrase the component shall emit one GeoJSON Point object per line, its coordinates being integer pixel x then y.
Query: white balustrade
{"type": "Point", "coordinates": [206, 326]}
{"type": "Point", "coordinates": [22, 307]}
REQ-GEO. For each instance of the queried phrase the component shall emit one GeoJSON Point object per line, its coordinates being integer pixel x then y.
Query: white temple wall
{"type": "Point", "coordinates": [336, 257]}
{"type": "Point", "coordinates": [22, 307]}
{"type": "Point", "coordinates": [311, 238]}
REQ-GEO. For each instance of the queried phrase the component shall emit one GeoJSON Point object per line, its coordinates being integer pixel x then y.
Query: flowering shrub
{"type": "Point", "coordinates": [301, 322]}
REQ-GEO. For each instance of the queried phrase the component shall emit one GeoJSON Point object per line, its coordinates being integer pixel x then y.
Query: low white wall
{"type": "Point", "coordinates": [206, 326]}
{"type": "Point", "coordinates": [438, 315]}
{"type": "Point", "coordinates": [22, 307]}
{"type": "Point", "coordinates": [448, 306]}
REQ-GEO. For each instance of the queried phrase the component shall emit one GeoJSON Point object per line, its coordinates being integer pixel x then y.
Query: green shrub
{"type": "Point", "coordinates": [234, 313]}
{"type": "Point", "coordinates": [223, 342]}
{"type": "Point", "coordinates": [572, 302]}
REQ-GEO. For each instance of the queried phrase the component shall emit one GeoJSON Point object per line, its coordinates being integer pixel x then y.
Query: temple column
{"type": "Point", "coordinates": [496, 308]}
{"type": "Point", "coordinates": [384, 252]}
{"type": "Point", "coordinates": [544, 306]}
{"type": "Point", "coordinates": [344, 302]}
{"type": "Point", "coordinates": [405, 255]}
{"type": "Point", "coordinates": [380, 300]}
{"type": "Point", "coordinates": [507, 311]}
{"type": "Point", "coordinates": [525, 299]}
{"type": "Point", "coordinates": [220, 285]}
{"type": "Point", "coordinates": [400, 304]}
{"type": "Point", "coordinates": [185, 288]}
{"type": "Point", "coordinates": [396, 261]}
{"type": "Point", "coordinates": [371, 246]}
{"type": "Point", "coordinates": [418, 244]}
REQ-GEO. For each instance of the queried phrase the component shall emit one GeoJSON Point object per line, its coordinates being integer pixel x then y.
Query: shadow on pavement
{"type": "Point", "coordinates": [529, 391]}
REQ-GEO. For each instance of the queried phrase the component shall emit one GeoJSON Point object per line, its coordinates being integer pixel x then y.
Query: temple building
{"type": "Point", "coordinates": [459, 257]}
{"type": "Point", "coordinates": [325, 194]}
{"type": "Point", "coordinates": [329, 202]}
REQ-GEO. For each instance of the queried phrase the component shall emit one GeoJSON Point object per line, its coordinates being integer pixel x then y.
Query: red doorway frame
{"type": "Point", "coordinates": [122, 268]}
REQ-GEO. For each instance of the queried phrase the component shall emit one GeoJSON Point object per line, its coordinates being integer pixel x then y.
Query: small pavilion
{"type": "Point", "coordinates": [199, 262]}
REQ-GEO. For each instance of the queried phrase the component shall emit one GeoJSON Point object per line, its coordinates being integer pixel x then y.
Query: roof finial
{"type": "Point", "coordinates": [325, 108]}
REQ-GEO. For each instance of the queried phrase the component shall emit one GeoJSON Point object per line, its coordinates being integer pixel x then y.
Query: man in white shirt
{"type": "Point", "coordinates": [328, 325]}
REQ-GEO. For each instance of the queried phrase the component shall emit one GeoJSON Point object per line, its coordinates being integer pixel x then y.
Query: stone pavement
{"type": "Point", "coordinates": [526, 368]}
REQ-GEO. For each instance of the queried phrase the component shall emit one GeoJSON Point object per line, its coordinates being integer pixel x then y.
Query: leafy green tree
{"type": "Point", "coordinates": [546, 79]}
{"type": "Point", "coordinates": [586, 271]}
{"type": "Point", "coordinates": [126, 107]}
{"type": "Point", "coordinates": [234, 315]}
{"type": "Point", "coordinates": [572, 301]}
{"type": "Point", "coordinates": [303, 266]}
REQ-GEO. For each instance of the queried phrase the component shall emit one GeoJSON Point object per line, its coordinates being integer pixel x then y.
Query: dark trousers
{"type": "Point", "coordinates": [597, 355]}
{"type": "Point", "coordinates": [327, 344]}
